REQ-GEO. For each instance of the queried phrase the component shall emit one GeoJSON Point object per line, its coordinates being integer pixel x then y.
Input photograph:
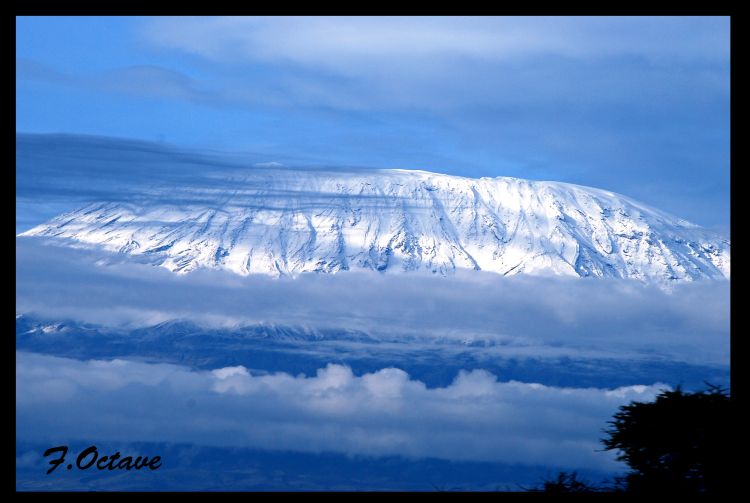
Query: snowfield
{"type": "Point", "coordinates": [281, 221]}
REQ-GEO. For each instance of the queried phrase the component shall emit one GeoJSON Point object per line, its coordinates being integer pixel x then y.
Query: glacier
{"type": "Point", "coordinates": [281, 221]}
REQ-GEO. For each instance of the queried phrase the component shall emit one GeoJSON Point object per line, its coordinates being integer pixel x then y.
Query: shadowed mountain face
{"type": "Point", "coordinates": [280, 221]}
{"type": "Point", "coordinates": [276, 348]}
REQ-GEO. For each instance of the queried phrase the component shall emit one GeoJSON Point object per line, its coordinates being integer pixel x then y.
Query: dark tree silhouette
{"type": "Point", "coordinates": [680, 443]}
{"type": "Point", "coordinates": [565, 483]}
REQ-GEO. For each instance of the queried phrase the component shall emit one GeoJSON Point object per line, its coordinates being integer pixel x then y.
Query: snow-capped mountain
{"type": "Point", "coordinates": [283, 221]}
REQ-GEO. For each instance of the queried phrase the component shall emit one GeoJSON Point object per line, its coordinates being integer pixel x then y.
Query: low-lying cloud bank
{"type": "Point", "coordinates": [532, 315]}
{"type": "Point", "coordinates": [382, 413]}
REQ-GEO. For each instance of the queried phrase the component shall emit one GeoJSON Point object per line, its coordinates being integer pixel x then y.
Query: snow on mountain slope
{"type": "Point", "coordinates": [282, 221]}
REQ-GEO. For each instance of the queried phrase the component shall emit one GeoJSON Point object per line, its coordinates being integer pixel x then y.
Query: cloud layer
{"type": "Point", "coordinates": [382, 413]}
{"type": "Point", "coordinates": [344, 42]}
{"type": "Point", "coordinates": [444, 64]}
{"type": "Point", "coordinates": [529, 316]}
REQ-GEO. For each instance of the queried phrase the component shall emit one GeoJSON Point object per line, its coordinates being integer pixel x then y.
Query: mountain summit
{"type": "Point", "coordinates": [283, 221]}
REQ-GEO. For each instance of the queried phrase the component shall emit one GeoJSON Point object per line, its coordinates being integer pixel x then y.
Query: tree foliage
{"type": "Point", "coordinates": [566, 482]}
{"type": "Point", "coordinates": [679, 443]}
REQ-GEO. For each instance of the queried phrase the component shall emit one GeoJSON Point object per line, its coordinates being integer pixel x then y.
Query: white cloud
{"type": "Point", "coordinates": [349, 44]}
{"type": "Point", "coordinates": [525, 316]}
{"type": "Point", "coordinates": [381, 413]}
{"type": "Point", "coordinates": [441, 64]}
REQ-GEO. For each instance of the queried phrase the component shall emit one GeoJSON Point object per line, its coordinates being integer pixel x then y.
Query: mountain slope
{"type": "Point", "coordinates": [282, 221]}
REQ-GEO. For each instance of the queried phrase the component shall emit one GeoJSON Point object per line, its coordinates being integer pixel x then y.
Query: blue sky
{"type": "Point", "coordinates": [635, 105]}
